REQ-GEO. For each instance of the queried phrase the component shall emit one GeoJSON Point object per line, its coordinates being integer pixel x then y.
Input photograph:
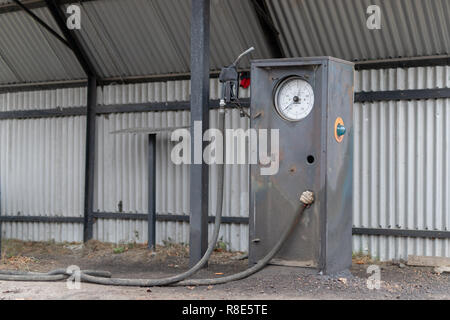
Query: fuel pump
{"type": "Point", "coordinates": [310, 102]}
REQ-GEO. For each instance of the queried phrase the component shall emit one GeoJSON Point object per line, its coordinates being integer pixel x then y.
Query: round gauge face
{"type": "Point", "coordinates": [294, 99]}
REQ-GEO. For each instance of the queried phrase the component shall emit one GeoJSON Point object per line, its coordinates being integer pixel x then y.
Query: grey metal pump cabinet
{"type": "Point", "coordinates": [310, 102]}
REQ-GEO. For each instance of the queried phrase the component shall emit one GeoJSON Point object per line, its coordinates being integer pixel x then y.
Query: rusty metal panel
{"type": "Point", "coordinates": [339, 176]}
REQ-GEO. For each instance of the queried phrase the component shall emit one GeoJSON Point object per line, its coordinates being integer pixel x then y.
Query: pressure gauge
{"type": "Point", "coordinates": [294, 98]}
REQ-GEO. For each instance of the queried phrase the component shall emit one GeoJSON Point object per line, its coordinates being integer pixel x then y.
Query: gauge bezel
{"type": "Point", "coordinates": [276, 90]}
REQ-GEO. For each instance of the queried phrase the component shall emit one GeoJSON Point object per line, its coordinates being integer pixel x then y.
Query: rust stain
{"type": "Point", "coordinates": [281, 155]}
{"type": "Point", "coordinates": [273, 180]}
{"type": "Point", "coordinates": [259, 114]}
{"type": "Point", "coordinates": [351, 92]}
{"type": "Point", "coordinates": [293, 170]}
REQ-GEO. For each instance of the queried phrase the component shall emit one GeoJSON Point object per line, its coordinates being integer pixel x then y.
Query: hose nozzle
{"type": "Point", "coordinates": [307, 198]}
{"type": "Point", "coordinates": [242, 54]}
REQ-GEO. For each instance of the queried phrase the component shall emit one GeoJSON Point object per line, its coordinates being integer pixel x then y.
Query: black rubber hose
{"type": "Point", "coordinates": [92, 277]}
{"type": "Point", "coordinates": [54, 275]}
{"type": "Point", "coordinates": [307, 198]}
{"type": "Point", "coordinates": [32, 277]}
{"type": "Point", "coordinates": [258, 266]}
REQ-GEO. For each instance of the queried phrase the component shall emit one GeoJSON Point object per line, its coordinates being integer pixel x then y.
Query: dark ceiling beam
{"type": "Point", "coordinates": [41, 22]}
{"type": "Point", "coordinates": [268, 28]}
{"type": "Point", "coordinates": [34, 4]}
{"type": "Point", "coordinates": [425, 61]}
{"type": "Point", "coordinates": [58, 14]}
{"type": "Point", "coordinates": [399, 95]}
{"type": "Point", "coordinates": [48, 85]}
{"type": "Point", "coordinates": [37, 86]}
{"type": "Point", "coordinates": [363, 65]}
{"type": "Point", "coordinates": [55, 8]}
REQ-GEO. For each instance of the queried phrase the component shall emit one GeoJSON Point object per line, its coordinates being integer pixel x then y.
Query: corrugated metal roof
{"type": "Point", "coordinates": [6, 74]}
{"type": "Point", "coordinates": [142, 37]}
{"type": "Point", "coordinates": [30, 53]}
{"type": "Point", "coordinates": [126, 38]}
{"type": "Point", "coordinates": [409, 28]}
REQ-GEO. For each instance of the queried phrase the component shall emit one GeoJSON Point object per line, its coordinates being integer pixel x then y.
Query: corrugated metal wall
{"type": "Point", "coordinates": [402, 159]}
{"type": "Point", "coordinates": [54, 154]}
{"type": "Point", "coordinates": [401, 172]}
{"type": "Point", "coordinates": [44, 99]}
{"type": "Point", "coordinates": [42, 165]}
{"type": "Point", "coordinates": [122, 168]}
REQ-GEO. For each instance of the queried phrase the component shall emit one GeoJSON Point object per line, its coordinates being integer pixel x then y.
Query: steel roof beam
{"type": "Point", "coordinates": [81, 54]}
{"type": "Point", "coordinates": [268, 28]}
{"type": "Point", "coordinates": [54, 6]}
{"type": "Point", "coordinates": [413, 62]}
{"type": "Point", "coordinates": [41, 22]}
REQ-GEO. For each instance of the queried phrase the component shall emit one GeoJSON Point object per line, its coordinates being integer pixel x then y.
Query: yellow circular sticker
{"type": "Point", "coordinates": [339, 123]}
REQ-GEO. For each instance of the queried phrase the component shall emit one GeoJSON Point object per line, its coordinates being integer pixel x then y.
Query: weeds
{"type": "Point", "coordinates": [221, 245]}
{"type": "Point", "coordinates": [120, 249]}
{"type": "Point", "coordinates": [361, 258]}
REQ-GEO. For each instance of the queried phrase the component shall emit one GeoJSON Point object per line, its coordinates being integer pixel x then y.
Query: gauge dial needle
{"type": "Point", "coordinates": [288, 106]}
